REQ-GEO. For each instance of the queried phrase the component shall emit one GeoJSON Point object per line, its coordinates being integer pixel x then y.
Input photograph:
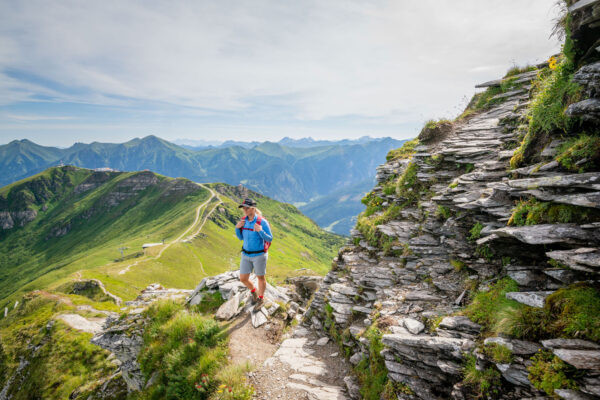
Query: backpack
{"type": "Point", "coordinates": [258, 221]}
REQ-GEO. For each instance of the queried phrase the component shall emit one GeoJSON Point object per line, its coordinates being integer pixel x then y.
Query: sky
{"type": "Point", "coordinates": [110, 71]}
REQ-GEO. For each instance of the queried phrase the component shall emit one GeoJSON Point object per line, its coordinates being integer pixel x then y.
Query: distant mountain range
{"type": "Point", "coordinates": [286, 141]}
{"type": "Point", "coordinates": [300, 172]}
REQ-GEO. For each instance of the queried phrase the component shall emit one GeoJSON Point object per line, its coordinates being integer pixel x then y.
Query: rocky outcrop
{"type": "Point", "coordinates": [410, 274]}
{"type": "Point", "coordinates": [238, 298]}
{"type": "Point", "coordinates": [123, 336]}
{"type": "Point", "coordinates": [10, 219]}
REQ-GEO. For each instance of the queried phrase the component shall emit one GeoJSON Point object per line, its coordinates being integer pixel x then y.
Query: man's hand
{"type": "Point", "coordinates": [257, 228]}
{"type": "Point", "coordinates": [240, 224]}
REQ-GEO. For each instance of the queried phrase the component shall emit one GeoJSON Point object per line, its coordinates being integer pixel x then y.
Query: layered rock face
{"type": "Point", "coordinates": [441, 233]}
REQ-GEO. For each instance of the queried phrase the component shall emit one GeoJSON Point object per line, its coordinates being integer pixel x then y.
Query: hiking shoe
{"type": "Point", "coordinates": [254, 297]}
{"type": "Point", "coordinates": [259, 303]}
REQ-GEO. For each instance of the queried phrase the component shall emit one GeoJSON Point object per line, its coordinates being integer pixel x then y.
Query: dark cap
{"type": "Point", "coordinates": [248, 203]}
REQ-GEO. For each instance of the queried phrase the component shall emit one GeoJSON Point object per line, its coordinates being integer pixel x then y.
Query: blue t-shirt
{"type": "Point", "coordinates": [254, 241]}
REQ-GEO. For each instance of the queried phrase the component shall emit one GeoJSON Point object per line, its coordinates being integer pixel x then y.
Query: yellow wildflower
{"type": "Point", "coordinates": [552, 62]}
{"type": "Point", "coordinates": [222, 386]}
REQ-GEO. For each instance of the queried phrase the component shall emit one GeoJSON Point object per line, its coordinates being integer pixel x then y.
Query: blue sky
{"type": "Point", "coordinates": [110, 71]}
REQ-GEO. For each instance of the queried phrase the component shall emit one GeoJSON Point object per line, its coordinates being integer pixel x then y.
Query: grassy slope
{"type": "Point", "coordinates": [30, 261]}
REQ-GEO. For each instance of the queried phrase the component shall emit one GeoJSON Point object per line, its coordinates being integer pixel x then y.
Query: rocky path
{"type": "Point", "coordinates": [212, 195]}
{"type": "Point", "coordinates": [305, 366]}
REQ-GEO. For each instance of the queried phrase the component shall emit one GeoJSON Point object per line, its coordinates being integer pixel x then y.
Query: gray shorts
{"type": "Point", "coordinates": [258, 263]}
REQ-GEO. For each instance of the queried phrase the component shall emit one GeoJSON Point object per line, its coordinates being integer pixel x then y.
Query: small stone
{"type": "Point", "coordinates": [415, 327]}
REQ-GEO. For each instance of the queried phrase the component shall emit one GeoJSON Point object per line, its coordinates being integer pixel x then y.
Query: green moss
{"type": "Point", "coordinates": [554, 92]}
{"type": "Point", "coordinates": [484, 383]}
{"type": "Point", "coordinates": [406, 151]}
{"type": "Point", "coordinates": [549, 373]}
{"type": "Point", "coordinates": [533, 212]}
{"type": "Point", "coordinates": [580, 154]}
{"type": "Point", "coordinates": [498, 353]}
{"type": "Point", "coordinates": [475, 232]}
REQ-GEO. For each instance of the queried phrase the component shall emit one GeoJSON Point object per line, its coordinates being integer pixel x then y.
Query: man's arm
{"type": "Point", "coordinates": [238, 230]}
{"type": "Point", "coordinates": [265, 233]}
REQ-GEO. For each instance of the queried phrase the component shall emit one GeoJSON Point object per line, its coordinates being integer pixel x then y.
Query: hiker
{"type": "Point", "coordinates": [255, 231]}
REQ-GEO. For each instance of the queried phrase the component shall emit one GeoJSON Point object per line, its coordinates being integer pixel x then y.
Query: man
{"type": "Point", "coordinates": [255, 232]}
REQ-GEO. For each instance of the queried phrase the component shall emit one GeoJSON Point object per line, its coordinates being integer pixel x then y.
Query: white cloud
{"type": "Point", "coordinates": [394, 60]}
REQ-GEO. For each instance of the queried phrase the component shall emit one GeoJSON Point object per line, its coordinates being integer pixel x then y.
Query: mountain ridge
{"type": "Point", "coordinates": [291, 174]}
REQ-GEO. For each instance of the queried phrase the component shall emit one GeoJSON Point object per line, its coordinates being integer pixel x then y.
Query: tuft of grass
{"type": "Point", "coordinates": [549, 373]}
{"type": "Point", "coordinates": [580, 154]}
{"type": "Point", "coordinates": [499, 353]}
{"type": "Point", "coordinates": [484, 382]}
{"type": "Point", "coordinates": [516, 70]}
{"type": "Point", "coordinates": [404, 152]}
{"type": "Point", "coordinates": [443, 212]}
{"type": "Point", "coordinates": [573, 312]}
{"type": "Point", "coordinates": [458, 265]}
{"type": "Point", "coordinates": [475, 232]}
{"type": "Point", "coordinates": [393, 390]}
{"type": "Point", "coordinates": [490, 308]}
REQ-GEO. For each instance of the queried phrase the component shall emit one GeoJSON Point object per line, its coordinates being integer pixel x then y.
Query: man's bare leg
{"type": "Point", "coordinates": [245, 279]}
{"type": "Point", "coordinates": [262, 285]}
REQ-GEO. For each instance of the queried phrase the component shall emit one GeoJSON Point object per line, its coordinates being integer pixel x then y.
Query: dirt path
{"type": "Point", "coordinates": [193, 224]}
{"type": "Point", "coordinates": [213, 194]}
{"type": "Point", "coordinates": [302, 366]}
